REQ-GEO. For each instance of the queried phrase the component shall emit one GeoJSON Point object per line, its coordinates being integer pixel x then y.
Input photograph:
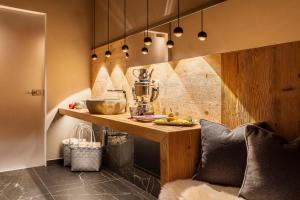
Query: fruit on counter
{"type": "Point", "coordinates": [171, 117]}
{"type": "Point", "coordinates": [72, 105]}
{"type": "Point", "coordinates": [189, 119]}
{"type": "Point", "coordinates": [76, 105]}
{"type": "Point", "coordinates": [176, 120]}
{"type": "Point", "coordinates": [181, 121]}
{"type": "Point", "coordinates": [161, 120]}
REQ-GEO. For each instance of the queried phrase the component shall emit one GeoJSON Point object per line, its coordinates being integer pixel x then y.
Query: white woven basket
{"type": "Point", "coordinates": [86, 156]}
{"type": "Point", "coordinates": [67, 143]}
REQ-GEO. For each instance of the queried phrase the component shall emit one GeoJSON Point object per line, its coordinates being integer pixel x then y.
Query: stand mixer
{"type": "Point", "coordinates": [145, 90]}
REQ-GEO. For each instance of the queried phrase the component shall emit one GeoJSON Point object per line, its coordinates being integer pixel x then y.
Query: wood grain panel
{"type": "Point", "coordinates": [287, 84]}
{"type": "Point", "coordinates": [263, 84]}
{"type": "Point", "coordinates": [122, 122]}
{"type": "Point", "coordinates": [179, 156]}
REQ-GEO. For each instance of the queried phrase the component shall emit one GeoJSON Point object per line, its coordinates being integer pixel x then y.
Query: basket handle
{"type": "Point", "coordinates": [75, 129]}
{"type": "Point", "coordinates": [90, 130]}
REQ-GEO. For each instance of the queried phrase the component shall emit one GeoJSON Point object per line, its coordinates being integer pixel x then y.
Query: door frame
{"type": "Point", "coordinates": [44, 72]}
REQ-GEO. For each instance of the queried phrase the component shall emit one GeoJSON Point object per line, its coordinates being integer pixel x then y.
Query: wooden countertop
{"type": "Point", "coordinates": [122, 122]}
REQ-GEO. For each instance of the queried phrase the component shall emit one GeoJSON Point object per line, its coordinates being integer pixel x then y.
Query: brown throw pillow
{"type": "Point", "coordinates": [223, 154]}
{"type": "Point", "coordinates": [273, 167]}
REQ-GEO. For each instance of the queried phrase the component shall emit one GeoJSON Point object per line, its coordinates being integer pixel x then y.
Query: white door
{"type": "Point", "coordinates": [22, 58]}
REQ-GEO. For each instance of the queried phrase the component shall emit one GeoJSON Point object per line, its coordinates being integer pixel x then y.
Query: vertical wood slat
{"type": "Point", "coordinates": [179, 156]}
{"type": "Point", "coordinates": [263, 84]}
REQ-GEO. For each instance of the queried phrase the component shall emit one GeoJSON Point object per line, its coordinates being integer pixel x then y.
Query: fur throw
{"type": "Point", "coordinates": [196, 190]}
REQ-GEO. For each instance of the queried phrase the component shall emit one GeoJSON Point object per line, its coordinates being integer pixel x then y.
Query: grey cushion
{"type": "Point", "coordinates": [223, 154]}
{"type": "Point", "coordinates": [273, 167]}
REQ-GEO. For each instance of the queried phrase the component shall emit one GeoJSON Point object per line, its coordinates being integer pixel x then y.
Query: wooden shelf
{"type": "Point", "coordinates": [122, 122]}
{"type": "Point", "coordinates": [179, 146]}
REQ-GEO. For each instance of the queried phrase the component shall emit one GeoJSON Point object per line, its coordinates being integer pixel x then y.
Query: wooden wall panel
{"type": "Point", "coordinates": [263, 84]}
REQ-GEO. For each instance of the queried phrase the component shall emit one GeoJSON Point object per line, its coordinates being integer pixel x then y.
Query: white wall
{"type": "Point", "coordinates": [68, 58]}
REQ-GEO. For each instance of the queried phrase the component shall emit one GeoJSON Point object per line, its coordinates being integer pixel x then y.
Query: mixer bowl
{"type": "Point", "coordinates": [106, 106]}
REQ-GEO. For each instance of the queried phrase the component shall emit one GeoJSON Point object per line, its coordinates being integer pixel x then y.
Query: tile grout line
{"type": "Point", "coordinates": [70, 184]}
{"type": "Point", "coordinates": [45, 186]}
{"type": "Point", "coordinates": [136, 189]}
{"type": "Point", "coordinates": [76, 187]}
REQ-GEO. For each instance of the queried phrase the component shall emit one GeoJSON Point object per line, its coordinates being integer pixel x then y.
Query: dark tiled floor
{"type": "Point", "coordinates": [59, 183]}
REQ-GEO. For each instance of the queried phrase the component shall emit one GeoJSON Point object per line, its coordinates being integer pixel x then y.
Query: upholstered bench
{"type": "Point", "coordinates": [196, 190]}
{"type": "Point", "coordinates": [262, 163]}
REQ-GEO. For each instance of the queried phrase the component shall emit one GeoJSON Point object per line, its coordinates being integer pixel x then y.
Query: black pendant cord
{"type": "Point", "coordinates": [147, 16]}
{"type": "Point", "coordinates": [170, 30]}
{"type": "Point", "coordinates": [125, 21]}
{"type": "Point", "coordinates": [94, 27]}
{"type": "Point", "coordinates": [178, 12]}
{"type": "Point", "coordinates": [202, 35]}
{"type": "Point", "coordinates": [202, 20]}
{"type": "Point", "coordinates": [144, 37]}
{"type": "Point", "coordinates": [108, 25]}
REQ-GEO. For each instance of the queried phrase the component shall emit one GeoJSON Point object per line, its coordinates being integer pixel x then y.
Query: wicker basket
{"type": "Point", "coordinates": [86, 156]}
{"type": "Point", "coordinates": [67, 143]}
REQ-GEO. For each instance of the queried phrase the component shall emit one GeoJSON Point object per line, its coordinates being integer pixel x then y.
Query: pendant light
{"type": "Point", "coordinates": [125, 46]}
{"type": "Point", "coordinates": [202, 35]}
{"type": "Point", "coordinates": [94, 55]}
{"type": "Point", "coordinates": [144, 49]}
{"type": "Point", "coordinates": [107, 53]}
{"type": "Point", "coordinates": [178, 31]}
{"type": "Point", "coordinates": [147, 39]}
{"type": "Point", "coordinates": [170, 42]}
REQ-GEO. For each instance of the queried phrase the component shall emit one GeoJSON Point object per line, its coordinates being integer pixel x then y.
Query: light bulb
{"type": "Point", "coordinates": [125, 48]}
{"type": "Point", "coordinates": [170, 44]}
{"type": "Point", "coordinates": [94, 56]}
{"type": "Point", "coordinates": [178, 31]}
{"type": "Point", "coordinates": [202, 35]}
{"type": "Point", "coordinates": [147, 41]}
{"type": "Point", "coordinates": [144, 50]}
{"type": "Point", "coordinates": [107, 54]}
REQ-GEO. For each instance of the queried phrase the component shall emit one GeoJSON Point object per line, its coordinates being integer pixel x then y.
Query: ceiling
{"type": "Point", "coordinates": [160, 11]}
